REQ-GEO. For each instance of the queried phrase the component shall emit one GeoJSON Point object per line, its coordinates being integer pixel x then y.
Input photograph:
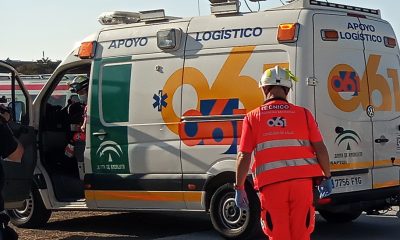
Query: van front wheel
{"type": "Point", "coordinates": [230, 221]}
{"type": "Point", "coordinates": [33, 214]}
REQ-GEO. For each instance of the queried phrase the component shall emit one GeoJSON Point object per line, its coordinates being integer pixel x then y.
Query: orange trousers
{"type": "Point", "coordinates": [287, 211]}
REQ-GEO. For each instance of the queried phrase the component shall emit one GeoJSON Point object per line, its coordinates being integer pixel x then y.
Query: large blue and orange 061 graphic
{"type": "Point", "coordinates": [346, 81]}
{"type": "Point", "coordinates": [213, 132]}
{"type": "Point", "coordinates": [348, 91]}
{"type": "Point", "coordinates": [223, 97]}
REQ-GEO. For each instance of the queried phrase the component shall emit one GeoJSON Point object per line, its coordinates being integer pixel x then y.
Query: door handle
{"type": "Point", "coordinates": [381, 140]}
{"type": "Point", "coordinates": [99, 134]}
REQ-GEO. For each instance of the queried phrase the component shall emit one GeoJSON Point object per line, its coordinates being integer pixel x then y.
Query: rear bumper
{"type": "Point", "coordinates": [365, 200]}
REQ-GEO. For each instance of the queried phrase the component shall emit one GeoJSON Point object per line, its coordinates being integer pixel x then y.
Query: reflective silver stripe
{"type": "Point", "coordinates": [282, 143]}
{"type": "Point", "coordinates": [285, 163]}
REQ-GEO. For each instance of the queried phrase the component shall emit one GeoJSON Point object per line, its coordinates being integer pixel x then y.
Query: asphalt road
{"type": "Point", "coordinates": [179, 226]}
{"type": "Point", "coordinates": [382, 227]}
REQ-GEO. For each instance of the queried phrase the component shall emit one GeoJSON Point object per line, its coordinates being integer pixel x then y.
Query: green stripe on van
{"type": "Point", "coordinates": [110, 105]}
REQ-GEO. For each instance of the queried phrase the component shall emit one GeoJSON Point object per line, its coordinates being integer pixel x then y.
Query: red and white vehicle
{"type": "Point", "coordinates": [35, 83]}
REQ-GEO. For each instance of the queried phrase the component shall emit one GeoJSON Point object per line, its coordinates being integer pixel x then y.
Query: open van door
{"type": "Point", "coordinates": [18, 176]}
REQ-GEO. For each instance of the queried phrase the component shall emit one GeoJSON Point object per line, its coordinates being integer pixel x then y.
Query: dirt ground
{"type": "Point", "coordinates": [115, 226]}
{"type": "Point", "coordinates": [68, 225]}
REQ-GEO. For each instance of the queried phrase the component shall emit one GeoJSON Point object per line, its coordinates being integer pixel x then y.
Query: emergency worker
{"type": "Point", "coordinates": [79, 85]}
{"type": "Point", "coordinates": [77, 118]}
{"type": "Point", "coordinates": [11, 149]}
{"type": "Point", "coordinates": [289, 153]}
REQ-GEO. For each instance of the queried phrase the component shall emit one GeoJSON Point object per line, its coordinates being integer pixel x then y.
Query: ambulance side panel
{"type": "Point", "coordinates": [225, 57]}
{"type": "Point", "coordinates": [135, 157]}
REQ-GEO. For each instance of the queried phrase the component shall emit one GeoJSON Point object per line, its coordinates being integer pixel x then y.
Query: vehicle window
{"type": "Point", "coordinates": [57, 100]}
{"type": "Point", "coordinates": [61, 95]}
{"type": "Point", "coordinates": [57, 108]}
{"type": "Point", "coordinates": [115, 88]}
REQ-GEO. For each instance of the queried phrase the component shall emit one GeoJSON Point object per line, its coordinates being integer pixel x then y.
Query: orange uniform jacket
{"type": "Point", "coordinates": [280, 134]}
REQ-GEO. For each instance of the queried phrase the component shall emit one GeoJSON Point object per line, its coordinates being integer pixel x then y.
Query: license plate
{"type": "Point", "coordinates": [348, 181]}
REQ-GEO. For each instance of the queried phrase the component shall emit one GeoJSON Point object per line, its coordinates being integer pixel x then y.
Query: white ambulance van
{"type": "Point", "coordinates": [167, 97]}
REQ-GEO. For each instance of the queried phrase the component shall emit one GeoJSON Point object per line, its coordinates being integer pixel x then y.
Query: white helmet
{"type": "Point", "coordinates": [277, 76]}
{"type": "Point", "coordinates": [79, 83]}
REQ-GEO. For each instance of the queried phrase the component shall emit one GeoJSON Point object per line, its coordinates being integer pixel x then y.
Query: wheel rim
{"type": "Point", "coordinates": [232, 217]}
{"type": "Point", "coordinates": [25, 212]}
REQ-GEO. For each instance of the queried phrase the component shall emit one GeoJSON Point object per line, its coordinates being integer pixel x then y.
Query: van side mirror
{"type": "Point", "coordinates": [19, 110]}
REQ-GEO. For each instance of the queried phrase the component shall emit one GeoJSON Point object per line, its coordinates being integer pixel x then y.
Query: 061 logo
{"type": "Point", "coordinates": [277, 122]}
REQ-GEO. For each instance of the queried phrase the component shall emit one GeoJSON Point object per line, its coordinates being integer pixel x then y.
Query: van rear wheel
{"type": "Point", "coordinates": [340, 217]}
{"type": "Point", "coordinates": [230, 221]}
{"type": "Point", "coordinates": [33, 214]}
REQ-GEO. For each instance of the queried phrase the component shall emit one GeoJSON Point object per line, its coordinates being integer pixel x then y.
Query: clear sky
{"type": "Point", "coordinates": [29, 27]}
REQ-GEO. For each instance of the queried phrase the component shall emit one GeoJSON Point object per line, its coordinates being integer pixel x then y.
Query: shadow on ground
{"type": "Point", "coordinates": [122, 226]}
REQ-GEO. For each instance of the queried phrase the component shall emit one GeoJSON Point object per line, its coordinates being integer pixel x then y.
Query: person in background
{"type": "Point", "coordinates": [289, 153]}
{"type": "Point", "coordinates": [77, 115]}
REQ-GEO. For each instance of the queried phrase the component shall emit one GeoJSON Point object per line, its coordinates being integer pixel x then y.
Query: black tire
{"type": "Point", "coordinates": [340, 217]}
{"type": "Point", "coordinates": [32, 215]}
{"type": "Point", "coordinates": [230, 221]}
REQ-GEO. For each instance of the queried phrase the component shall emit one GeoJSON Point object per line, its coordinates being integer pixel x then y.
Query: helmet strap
{"type": "Point", "coordinates": [286, 90]}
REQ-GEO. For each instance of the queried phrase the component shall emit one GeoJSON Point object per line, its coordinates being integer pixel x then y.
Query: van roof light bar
{"type": "Point", "coordinates": [152, 15]}
{"type": "Point", "coordinates": [342, 6]}
{"type": "Point", "coordinates": [118, 17]}
{"type": "Point", "coordinates": [222, 7]}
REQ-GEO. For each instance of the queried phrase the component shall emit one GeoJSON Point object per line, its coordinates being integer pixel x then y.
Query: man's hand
{"type": "Point", "coordinates": [241, 199]}
{"type": "Point", "coordinates": [325, 187]}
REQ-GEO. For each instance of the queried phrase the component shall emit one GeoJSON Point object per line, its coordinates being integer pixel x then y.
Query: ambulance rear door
{"type": "Point", "coordinates": [382, 74]}
{"type": "Point", "coordinates": [341, 97]}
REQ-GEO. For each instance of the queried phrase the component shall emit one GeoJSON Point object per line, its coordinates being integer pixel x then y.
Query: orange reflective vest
{"type": "Point", "coordinates": [283, 149]}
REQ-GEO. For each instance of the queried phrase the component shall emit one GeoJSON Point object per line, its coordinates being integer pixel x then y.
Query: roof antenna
{"type": "Point", "coordinates": [258, 2]}
{"type": "Point", "coordinates": [245, 1]}
{"type": "Point", "coordinates": [198, 6]}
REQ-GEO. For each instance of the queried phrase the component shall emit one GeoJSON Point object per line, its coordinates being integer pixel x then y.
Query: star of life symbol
{"type": "Point", "coordinates": [159, 100]}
